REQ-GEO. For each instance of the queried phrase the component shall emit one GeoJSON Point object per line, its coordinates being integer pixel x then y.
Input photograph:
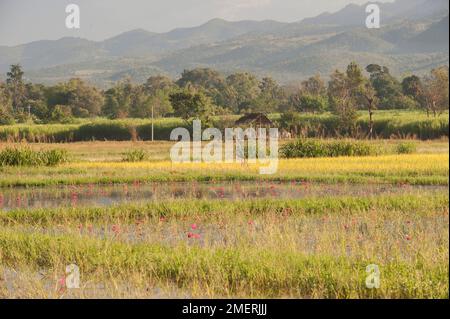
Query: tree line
{"type": "Point", "coordinates": [204, 92]}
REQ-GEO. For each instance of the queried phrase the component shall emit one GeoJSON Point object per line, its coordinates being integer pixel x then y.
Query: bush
{"type": "Point", "coordinates": [25, 156]}
{"type": "Point", "coordinates": [406, 148]}
{"type": "Point", "coordinates": [54, 157]}
{"type": "Point", "coordinates": [134, 156]}
{"type": "Point", "coordinates": [305, 148]}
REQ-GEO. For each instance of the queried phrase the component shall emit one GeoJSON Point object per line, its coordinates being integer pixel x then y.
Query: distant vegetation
{"type": "Point", "coordinates": [388, 124]}
{"type": "Point", "coordinates": [314, 109]}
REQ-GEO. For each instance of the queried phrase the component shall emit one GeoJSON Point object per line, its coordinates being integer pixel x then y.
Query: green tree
{"type": "Point", "coordinates": [436, 87]}
{"type": "Point", "coordinates": [118, 100]}
{"type": "Point", "coordinates": [189, 104]}
{"type": "Point", "coordinates": [6, 110]}
{"type": "Point", "coordinates": [388, 88]}
{"type": "Point", "coordinates": [210, 81]}
{"type": "Point", "coordinates": [241, 90]}
{"type": "Point", "coordinates": [312, 103]}
{"type": "Point", "coordinates": [311, 97]}
{"type": "Point", "coordinates": [16, 88]}
{"type": "Point", "coordinates": [344, 94]}
{"type": "Point", "coordinates": [61, 114]}
{"type": "Point", "coordinates": [271, 96]}
{"type": "Point", "coordinates": [369, 99]}
{"type": "Point", "coordinates": [159, 89]}
{"type": "Point", "coordinates": [314, 86]}
{"type": "Point", "coordinates": [158, 83]}
{"type": "Point", "coordinates": [84, 100]}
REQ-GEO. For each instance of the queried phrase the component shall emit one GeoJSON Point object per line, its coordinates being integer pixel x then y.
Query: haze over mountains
{"type": "Point", "coordinates": [413, 38]}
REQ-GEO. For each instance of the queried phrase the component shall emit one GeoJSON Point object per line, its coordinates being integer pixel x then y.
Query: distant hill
{"type": "Point", "coordinates": [413, 38]}
{"type": "Point", "coordinates": [433, 39]}
{"type": "Point", "coordinates": [141, 42]}
{"type": "Point", "coordinates": [399, 10]}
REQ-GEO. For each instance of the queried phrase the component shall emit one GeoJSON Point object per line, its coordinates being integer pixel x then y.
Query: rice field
{"type": "Point", "coordinates": [154, 229]}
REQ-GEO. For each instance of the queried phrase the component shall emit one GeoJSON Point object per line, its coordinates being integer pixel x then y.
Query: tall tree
{"type": "Point", "coordinates": [370, 101]}
{"type": "Point", "coordinates": [344, 94]}
{"type": "Point", "coordinates": [84, 100]}
{"type": "Point", "coordinates": [314, 86]}
{"type": "Point", "coordinates": [158, 83]}
{"type": "Point", "coordinates": [118, 100]}
{"type": "Point", "coordinates": [436, 90]}
{"type": "Point", "coordinates": [6, 110]}
{"type": "Point", "coordinates": [388, 88]}
{"type": "Point", "coordinates": [242, 88]}
{"type": "Point", "coordinates": [189, 104]}
{"type": "Point", "coordinates": [413, 88]}
{"type": "Point", "coordinates": [16, 87]}
{"type": "Point", "coordinates": [210, 81]}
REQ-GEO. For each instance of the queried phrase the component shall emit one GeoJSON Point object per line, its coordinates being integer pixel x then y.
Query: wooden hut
{"type": "Point", "coordinates": [256, 120]}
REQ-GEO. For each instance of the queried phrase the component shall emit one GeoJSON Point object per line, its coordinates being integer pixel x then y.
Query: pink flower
{"type": "Point", "coordinates": [62, 284]}
{"type": "Point", "coordinates": [193, 235]}
{"type": "Point", "coordinates": [62, 281]}
{"type": "Point", "coordinates": [116, 229]}
{"type": "Point", "coordinates": [194, 226]}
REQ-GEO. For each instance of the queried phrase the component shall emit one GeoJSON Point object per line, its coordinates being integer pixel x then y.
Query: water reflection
{"type": "Point", "coordinates": [106, 195]}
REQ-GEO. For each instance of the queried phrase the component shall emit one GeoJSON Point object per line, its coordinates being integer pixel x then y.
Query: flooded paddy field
{"type": "Point", "coordinates": [157, 230]}
{"type": "Point", "coordinates": [112, 194]}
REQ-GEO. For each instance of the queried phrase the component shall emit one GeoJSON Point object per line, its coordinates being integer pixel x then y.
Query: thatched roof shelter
{"type": "Point", "coordinates": [254, 119]}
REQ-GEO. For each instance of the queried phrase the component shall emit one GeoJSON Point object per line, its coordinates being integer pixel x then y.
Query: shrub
{"type": "Point", "coordinates": [54, 157]}
{"type": "Point", "coordinates": [134, 156]}
{"type": "Point", "coordinates": [406, 148]}
{"type": "Point", "coordinates": [306, 148]}
{"type": "Point", "coordinates": [25, 156]}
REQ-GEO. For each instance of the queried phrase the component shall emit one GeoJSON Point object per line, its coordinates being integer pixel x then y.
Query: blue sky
{"type": "Point", "coordinates": [24, 21]}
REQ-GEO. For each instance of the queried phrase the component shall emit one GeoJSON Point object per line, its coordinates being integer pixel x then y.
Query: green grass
{"type": "Point", "coordinates": [388, 124]}
{"type": "Point", "coordinates": [417, 169]}
{"type": "Point", "coordinates": [229, 271]}
{"type": "Point", "coordinates": [25, 156]}
{"type": "Point", "coordinates": [207, 209]}
{"type": "Point", "coordinates": [315, 248]}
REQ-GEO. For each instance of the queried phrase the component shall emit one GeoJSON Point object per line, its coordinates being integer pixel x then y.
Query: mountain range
{"type": "Point", "coordinates": [413, 38]}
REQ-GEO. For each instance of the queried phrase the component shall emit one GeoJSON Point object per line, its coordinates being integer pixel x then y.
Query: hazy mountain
{"type": "Point", "coordinates": [413, 38]}
{"type": "Point", "coordinates": [135, 43]}
{"type": "Point", "coordinates": [143, 43]}
{"type": "Point", "coordinates": [401, 9]}
{"type": "Point", "coordinates": [49, 53]}
{"type": "Point", "coordinates": [433, 39]}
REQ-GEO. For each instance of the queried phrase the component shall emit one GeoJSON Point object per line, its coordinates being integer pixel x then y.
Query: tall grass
{"type": "Point", "coordinates": [25, 156]}
{"type": "Point", "coordinates": [309, 148]}
{"type": "Point", "coordinates": [316, 248]}
{"type": "Point", "coordinates": [137, 155]}
{"type": "Point", "coordinates": [388, 124]}
{"type": "Point", "coordinates": [207, 210]}
{"type": "Point", "coordinates": [418, 169]}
